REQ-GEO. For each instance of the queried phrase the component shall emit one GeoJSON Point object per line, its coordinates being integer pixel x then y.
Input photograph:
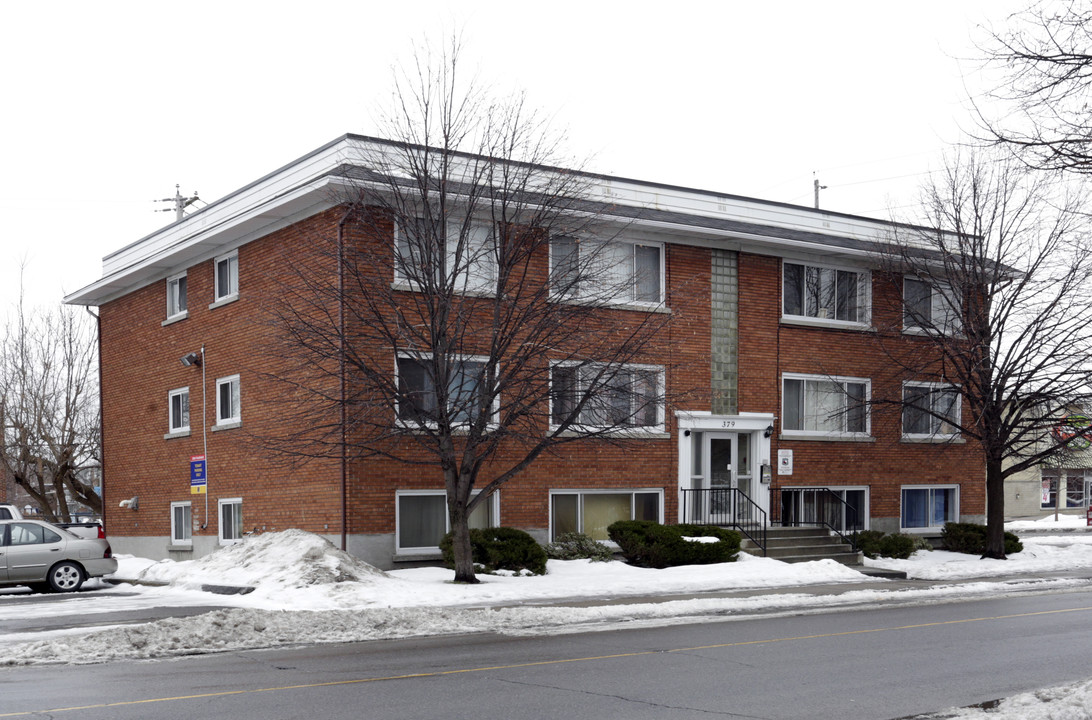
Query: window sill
{"type": "Point", "coordinates": [933, 440]}
{"type": "Point", "coordinates": [826, 323]}
{"type": "Point", "coordinates": [175, 318]}
{"type": "Point", "coordinates": [403, 286]}
{"type": "Point", "coordinates": [826, 438]}
{"type": "Point", "coordinates": [931, 332]}
{"type": "Point", "coordinates": [226, 426]}
{"type": "Point", "coordinates": [607, 305]}
{"type": "Point", "coordinates": [177, 434]}
{"type": "Point", "coordinates": [624, 434]}
{"type": "Point", "coordinates": [402, 556]}
{"type": "Point", "coordinates": [223, 301]}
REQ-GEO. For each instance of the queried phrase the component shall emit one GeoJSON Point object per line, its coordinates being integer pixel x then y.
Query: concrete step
{"type": "Point", "coordinates": [850, 558]}
{"type": "Point", "coordinates": [779, 551]}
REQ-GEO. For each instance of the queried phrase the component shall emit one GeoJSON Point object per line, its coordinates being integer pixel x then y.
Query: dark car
{"type": "Point", "coordinates": [46, 557]}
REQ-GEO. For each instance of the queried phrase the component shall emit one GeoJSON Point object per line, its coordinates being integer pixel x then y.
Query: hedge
{"type": "Point", "coordinates": [649, 544]}
{"type": "Point", "coordinates": [501, 548]}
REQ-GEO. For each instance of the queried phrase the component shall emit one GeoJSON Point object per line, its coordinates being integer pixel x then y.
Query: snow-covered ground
{"type": "Point", "coordinates": [307, 591]}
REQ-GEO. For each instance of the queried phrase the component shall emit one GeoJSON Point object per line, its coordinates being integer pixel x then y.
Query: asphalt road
{"type": "Point", "coordinates": [875, 664]}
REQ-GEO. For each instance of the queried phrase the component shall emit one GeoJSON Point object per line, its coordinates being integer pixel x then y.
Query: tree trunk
{"type": "Point", "coordinates": [460, 542]}
{"type": "Point", "coordinates": [995, 511]}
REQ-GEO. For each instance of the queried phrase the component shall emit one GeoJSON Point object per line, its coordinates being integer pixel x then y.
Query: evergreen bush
{"type": "Point", "coordinates": [501, 548]}
{"type": "Point", "coordinates": [970, 538]}
{"type": "Point", "coordinates": [874, 544]}
{"type": "Point", "coordinates": [578, 546]}
{"type": "Point", "coordinates": [649, 544]}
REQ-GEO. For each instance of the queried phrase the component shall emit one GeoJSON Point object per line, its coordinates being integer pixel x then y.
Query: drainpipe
{"type": "Point", "coordinates": [344, 460]}
{"type": "Point", "coordinates": [102, 434]}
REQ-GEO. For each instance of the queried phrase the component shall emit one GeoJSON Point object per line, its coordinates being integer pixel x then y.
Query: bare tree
{"type": "Point", "coordinates": [49, 410]}
{"type": "Point", "coordinates": [1045, 60]}
{"type": "Point", "coordinates": [464, 328]}
{"type": "Point", "coordinates": [996, 327]}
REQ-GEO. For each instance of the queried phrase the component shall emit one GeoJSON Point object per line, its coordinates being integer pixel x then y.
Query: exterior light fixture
{"type": "Point", "coordinates": [768, 431]}
{"type": "Point", "coordinates": [190, 359]}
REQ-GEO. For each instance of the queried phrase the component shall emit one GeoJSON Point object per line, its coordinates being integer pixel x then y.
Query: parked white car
{"type": "Point", "coordinates": [46, 557]}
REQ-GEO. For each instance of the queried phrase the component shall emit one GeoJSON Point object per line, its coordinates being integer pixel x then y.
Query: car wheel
{"type": "Point", "coordinates": [65, 577]}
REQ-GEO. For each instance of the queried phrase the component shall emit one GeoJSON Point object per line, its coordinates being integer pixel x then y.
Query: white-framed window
{"type": "Point", "coordinates": [826, 294]}
{"type": "Point", "coordinates": [814, 505]}
{"type": "Point", "coordinates": [231, 520]}
{"type": "Point", "coordinates": [617, 396]}
{"type": "Point", "coordinates": [931, 306]}
{"type": "Point", "coordinates": [178, 402]}
{"type": "Point", "coordinates": [617, 271]}
{"type": "Point", "coordinates": [474, 265]}
{"type": "Point", "coordinates": [419, 400]}
{"type": "Point", "coordinates": [592, 511]}
{"type": "Point", "coordinates": [226, 274]}
{"type": "Point", "coordinates": [181, 523]}
{"type": "Point", "coordinates": [824, 406]}
{"type": "Point", "coordinates": [176, 296]}
{"type": "Point", "coordinates": [930, 411]}
{"type": "Point", "coordinates": [421, 519]}
{"type": "Point", "coordinates": [1077, 485]}
{"type": "Point", "coordinates": [227, 401]}
{"type": "Point", "coordinates": [928, 507]}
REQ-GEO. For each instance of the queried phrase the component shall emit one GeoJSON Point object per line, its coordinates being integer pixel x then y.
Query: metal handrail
{"type": "Point", "coordinates": [725, 507]}
{"type": "Point", "coordinates": [826, 508]}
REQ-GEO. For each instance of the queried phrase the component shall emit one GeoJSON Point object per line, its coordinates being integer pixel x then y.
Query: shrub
{"type": "Point", "coordinates": [874, 543]}
{"type": "Point", "coordinates": [578, 546]}
{"type": "Point", "coordinates": [970, 538]}
{"type": "Point", "coordinates": [897, 545]}
{"type": "Point", "coordinates": [501, 548]}
{"type": "Point", "coordinates": [649, 544]}
{"type": "Point", "coordinates": [868, 542]}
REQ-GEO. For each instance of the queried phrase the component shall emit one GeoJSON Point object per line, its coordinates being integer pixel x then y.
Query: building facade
{"type": "Point", "coordinates": [774, 368]}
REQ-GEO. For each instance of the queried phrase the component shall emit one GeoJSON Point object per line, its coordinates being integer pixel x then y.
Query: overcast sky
{"type": "Point", "coordinates": [108, 105]}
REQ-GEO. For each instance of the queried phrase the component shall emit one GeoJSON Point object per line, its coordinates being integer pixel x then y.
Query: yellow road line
{"type": "Point", "coordinates": [592, 658]}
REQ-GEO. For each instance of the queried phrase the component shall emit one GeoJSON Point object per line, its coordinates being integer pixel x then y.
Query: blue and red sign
{"type": "Point", "coordinates": [198, 479]}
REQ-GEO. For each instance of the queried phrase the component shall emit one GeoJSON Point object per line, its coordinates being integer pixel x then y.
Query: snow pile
{"type": "Point", "coordinates": [1066, 702]}
{"type": "Point", "coordinates": [1051, 553]}
{"type": "Point", "coordinates": [287, 559]}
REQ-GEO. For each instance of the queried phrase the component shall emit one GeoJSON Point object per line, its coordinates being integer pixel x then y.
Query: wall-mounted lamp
{"type": "Point", "coordinates": [686, 433]}
{"type": "Point", "coordinates": [191, 359]}
{"type": "Point", "coordinates": [768, 431]}
{"type": "Point", "coordinates": [131, 503]}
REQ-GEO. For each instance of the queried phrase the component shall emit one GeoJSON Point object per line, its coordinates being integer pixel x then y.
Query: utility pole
{"type": "Point", "coordinates": [818, 187]}
{"type": "Point", "coordinates": [181, 203]}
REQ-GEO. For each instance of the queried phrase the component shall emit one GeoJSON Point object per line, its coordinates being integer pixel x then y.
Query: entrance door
{"type": "Point", "coordinates": [730, 468]}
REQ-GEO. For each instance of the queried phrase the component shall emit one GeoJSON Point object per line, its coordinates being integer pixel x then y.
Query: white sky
{"type": "Point", "coordinates": [109, 105]}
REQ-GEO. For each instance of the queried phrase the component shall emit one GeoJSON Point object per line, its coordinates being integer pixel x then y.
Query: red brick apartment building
{"type": "Point", "coordinates": [775, 356]}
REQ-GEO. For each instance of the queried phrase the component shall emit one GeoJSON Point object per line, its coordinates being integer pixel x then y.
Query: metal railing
{"type": "Point", "coordinates": [725, 507]}
{"type": "Point", "coordinates": [821, 506]}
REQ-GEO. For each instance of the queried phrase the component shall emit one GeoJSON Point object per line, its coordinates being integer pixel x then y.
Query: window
{"type": "Point", "coordinates": [825, 406]}
{"type": "Point", "coordinates": [474, 264]}
{"type": "Point", "coordinates": [419, 400]}
{"type": "Point", "coordinates": [176, 296]}
{"type": "Point", "coordinates": [930, 306]}
{"type": "Point", "coordinates": [824, 293]}
{"type": "Point", "coordinates": [181, 523]}
{"type": "Point", "coordinates": [231, 521]}
{"type": "Point", "coordinates": [615, 396]}
{"type": "Point", "coordinates": [31, 534]}
{"type": "Point", "coordinates": [929, 507]}
{"type": "Point", "coordinates": [422, 519]}
{"type": "Point", "coordinates": [1076, 487]}
{"type": "Point", "coordinates": [227, 401]}
{"type": "Point", "coordinates": [592, 512]}
{"type": "Point", "coordinates": [227, 277]}
{"type": "Point", "coordinates": [930, 410]}
{"type": "Point", "coordinates": [615, 272]}
{"type": "Point", "coordinates": [179, 410]}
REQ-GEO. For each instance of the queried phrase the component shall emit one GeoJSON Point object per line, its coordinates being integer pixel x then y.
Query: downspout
{"type": "Point", "coordinates": [102, 431]}
{"type": "Point", "coordinates": [341, 373]}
